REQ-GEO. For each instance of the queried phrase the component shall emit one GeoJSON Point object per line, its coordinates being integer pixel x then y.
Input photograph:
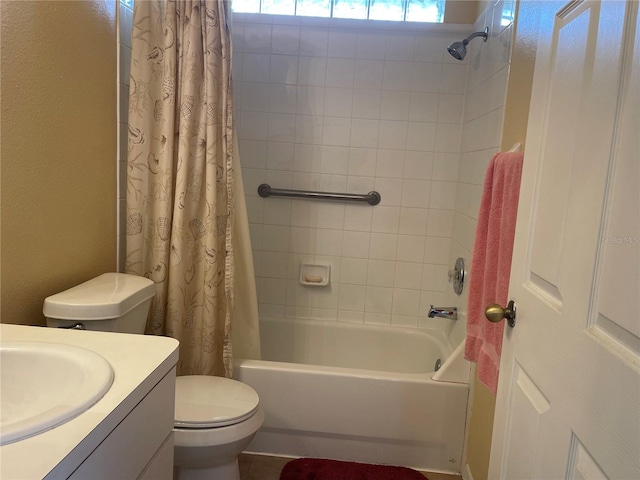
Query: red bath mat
{"type": "Point", "coordinates": [321, 469]}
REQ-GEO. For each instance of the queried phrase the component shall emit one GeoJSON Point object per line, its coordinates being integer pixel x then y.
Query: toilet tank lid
{"type": "Point", "coordinates": [109, 295]}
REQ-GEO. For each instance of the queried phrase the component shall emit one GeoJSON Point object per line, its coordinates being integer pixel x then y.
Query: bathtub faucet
{"type": "Point", "coordinates": [443, 312]}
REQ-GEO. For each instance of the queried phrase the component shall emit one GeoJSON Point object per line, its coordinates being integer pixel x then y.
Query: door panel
{"type": "Point", "coordinates": [569, 391]}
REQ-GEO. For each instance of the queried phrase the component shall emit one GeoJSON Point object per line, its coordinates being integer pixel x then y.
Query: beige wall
{"type": "Point", "coordinates": [58, 149]}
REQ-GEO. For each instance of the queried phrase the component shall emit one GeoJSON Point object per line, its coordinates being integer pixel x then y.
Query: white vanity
{"type": "Point", "coordinates": [126, 434]}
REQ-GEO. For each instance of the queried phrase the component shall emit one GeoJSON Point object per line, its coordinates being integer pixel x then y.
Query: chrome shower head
{"type": "Point", "coordinates": [458, 50]}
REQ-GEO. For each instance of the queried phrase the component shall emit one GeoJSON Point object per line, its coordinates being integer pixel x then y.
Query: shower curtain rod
{"type": "Point", "coordinates": [372, 198]}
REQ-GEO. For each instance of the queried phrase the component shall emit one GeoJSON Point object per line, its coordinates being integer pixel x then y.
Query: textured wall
{"type": "Point", "coordinates": [58, 149]}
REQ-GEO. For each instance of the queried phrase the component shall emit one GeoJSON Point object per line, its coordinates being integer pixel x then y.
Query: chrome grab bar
{"type": "Point", "coordinates": [372, 198]}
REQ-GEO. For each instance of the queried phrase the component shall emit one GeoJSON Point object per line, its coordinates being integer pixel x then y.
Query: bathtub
{"type": "Point", "coordinates": [359, 393]}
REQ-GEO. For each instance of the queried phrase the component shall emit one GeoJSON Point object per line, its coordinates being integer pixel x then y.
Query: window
{"type": "Point", "coordinates": [398, 10]}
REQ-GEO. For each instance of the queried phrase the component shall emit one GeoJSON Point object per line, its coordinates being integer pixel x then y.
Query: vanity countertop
{"type": "Point", "coordinates": [139, 362]}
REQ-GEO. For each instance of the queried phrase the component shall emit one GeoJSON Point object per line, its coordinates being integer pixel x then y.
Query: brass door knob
{"type": "Point", "coordinates": [496, 313]}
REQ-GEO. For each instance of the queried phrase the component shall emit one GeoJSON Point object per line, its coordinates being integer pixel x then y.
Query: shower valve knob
{"type": "Point", "coordinates": [495, 313]}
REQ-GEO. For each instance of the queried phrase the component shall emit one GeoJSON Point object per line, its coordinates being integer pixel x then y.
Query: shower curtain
{"type": "Point", "coordinates": [181, 180]}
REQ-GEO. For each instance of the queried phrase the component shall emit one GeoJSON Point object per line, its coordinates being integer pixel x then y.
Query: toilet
{"type": "Point", "coordinates": [215, 418]}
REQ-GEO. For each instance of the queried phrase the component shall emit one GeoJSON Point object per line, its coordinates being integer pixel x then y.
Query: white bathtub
{"type": "Point", "coordinates": [359, 393]}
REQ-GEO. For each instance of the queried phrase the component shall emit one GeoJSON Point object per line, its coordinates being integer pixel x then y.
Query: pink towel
{"type": "Point", "coordinates": [491, 263]}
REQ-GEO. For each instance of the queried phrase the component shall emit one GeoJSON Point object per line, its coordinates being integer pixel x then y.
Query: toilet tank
{"type": "Point", "coordinates": [112, 302]}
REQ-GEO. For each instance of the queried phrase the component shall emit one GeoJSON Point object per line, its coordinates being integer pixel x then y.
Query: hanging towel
{"type": "Point", "coordinates": [491, 263]}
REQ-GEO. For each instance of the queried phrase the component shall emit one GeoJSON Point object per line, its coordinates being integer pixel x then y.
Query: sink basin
{"type": "Point", "coordinates": [43, 385]}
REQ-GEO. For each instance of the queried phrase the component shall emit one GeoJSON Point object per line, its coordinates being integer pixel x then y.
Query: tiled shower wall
{"type": "Point", "coordinates": [484, 109]}
{"type": "Point", "coordinates": [353, 106]}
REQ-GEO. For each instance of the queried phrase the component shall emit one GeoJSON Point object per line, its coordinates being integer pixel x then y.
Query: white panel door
{"type": "Point", "coordinates": [568, 403]}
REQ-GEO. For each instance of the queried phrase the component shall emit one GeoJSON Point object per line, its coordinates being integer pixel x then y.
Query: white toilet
{"type": "Point", "coordinates": [215, 418]}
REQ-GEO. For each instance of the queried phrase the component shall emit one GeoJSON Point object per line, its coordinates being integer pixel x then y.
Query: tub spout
{"type": "Point", "coordinates": [443, 312]}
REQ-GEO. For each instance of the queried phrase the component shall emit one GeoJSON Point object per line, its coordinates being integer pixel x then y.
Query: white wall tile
{"type": "Point", "coordinates": [450, 108]}
{"type": "Point", "coordinates": [440, 223]}
{"type": "Point", "coordinates": [283, 69]}
{"type": "Point", "coordinates": [257, 37]}
{"type": "Point", "coordinates": [424, 107]}
{"type": "Point", "coordinates": [429, 47]}
{"type": "Point", "coordinates": [383, 246]}
{"type": "Point", "coordinates": [364, 132]}
{"type": "Point", "coordinates": [336, 131]}
{"type": "Point", "coordinates": [370, 45]}
{"type": "Point", "coordinates": [399, 46]}
{"type": "Point", "coordinates": [338, 102]}
{"type": "Point", "coordinates": [390, 190]}
{"type": "Point", "coordinates": [434, 277]}
{"type": "Point", "coordinates": [362, 161]}
{"type": "Point", "coordinates": [352, 297]}
{"type": "Point", "coordinates": [406, 302]}
{"type": "Point", "coordinates": [285, 39]}
{"type": "Point", "coordinates": [408, 275]}
{"type": "Point", "coordinates": [390, 163]}
{"type": "Point", "coordinates": [385, 219]}
{"type": "Point", "coordinates": [281, 127]}
{"type": "Point", "coordinates": [308, 129]}
{"type": "Point", "coordinates": [369, 74]}
{"type": "Point", "coordinates": [397, 75]}
{"type": "Point", "coordinates": [311, 71]}
{"type": "Point", "coordinates": [378, 299]}
{"type": "Point", "coordinates": [342, 44]}
{"type": "Point", "coordinates": [381, 273]}
{"type": "Point", "coordinates": [356, 244]}
{"type": "Point", "coordinates": [426, 77]}
{"type": "Point", "coordinates": [366, 103]}
{"type": "Point", "coordinates": [277, 211]}
{"type": "Point", "coordinates": [416, 193]}
{"type": "Point", "coordinates": [279, 156]}
{"type": "Point", "coordinates": [358, 218]}
{"type": "Point", "coordinates": [314, 41]}
{"type": "Point", "coordinates": [274, 264]}
{"type": "Point", "coordinates": [340, 72]}
{"type": "Point", "coordinates": [413, 221]}
{"type": "Point", "coordinates": [282, 98]}
{"type": "Point", "coordinates": [354, 271]}
{"type": "Point", "coordinates": [256, 67]}
{"type": "Point", "coordinates": [418, 165]}
{"type": "Point", "coordinates": [421, 136]}
{"type": "Point", "coordinates": [411, 248]}
{"type": "Point", "coordinates": [310, 100]}
{"type": "Point", "coordinates": [328, 242]}
{"type": "Point", "coordinates": [393, 134]}
{"type": "Point", "coordinates": [275, 238]}
{"type": "Point", "coordinates": [445, 166]}
{"type": "Point", "coordinates": [331, 215]}
{"type": "Point", "coordinates": [395, 105]}
{"type": "Point", "coordinates": [437, 250]}
{"type": "Point", "coordinates": [335, 160]}
{"type": "Point", "coordinates": [454, 77]}
{"type": "Point", "coordinates": [377, 318]}
{"type": "Point", "coordinates": [273, 291]}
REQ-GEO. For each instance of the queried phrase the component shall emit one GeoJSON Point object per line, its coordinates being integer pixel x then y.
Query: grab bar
{"type": "Point", "coordinates": [372, 198]}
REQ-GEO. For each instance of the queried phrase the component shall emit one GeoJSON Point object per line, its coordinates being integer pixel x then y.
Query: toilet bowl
{"type": "Point", "coordinates": [215, 418]}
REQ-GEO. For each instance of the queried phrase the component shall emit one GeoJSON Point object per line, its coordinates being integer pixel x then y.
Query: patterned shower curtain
{"type": "Point", "coordinates": [180, 176]}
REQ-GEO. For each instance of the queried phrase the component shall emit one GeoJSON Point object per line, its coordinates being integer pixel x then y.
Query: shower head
{"type": "Point", "coordinates": [458, 50]}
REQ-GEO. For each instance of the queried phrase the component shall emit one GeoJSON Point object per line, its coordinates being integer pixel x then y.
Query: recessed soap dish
{"type": "Point", "coordinates": [315, 275]}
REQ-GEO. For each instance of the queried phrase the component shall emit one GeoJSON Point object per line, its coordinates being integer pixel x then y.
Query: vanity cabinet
{"type": "Point", "coordinates": [126, 435]}
{"type": "Point", "coordinates": [141, 446]}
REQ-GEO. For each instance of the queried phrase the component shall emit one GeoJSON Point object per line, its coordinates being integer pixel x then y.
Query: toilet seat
{"type": "Point", "coordinates": [205, 402]}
